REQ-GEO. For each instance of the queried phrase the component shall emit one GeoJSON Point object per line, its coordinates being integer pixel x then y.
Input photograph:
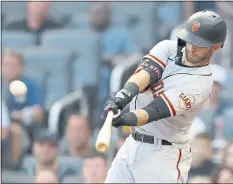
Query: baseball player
{"type": "Point", "coordinates": [161, 99]}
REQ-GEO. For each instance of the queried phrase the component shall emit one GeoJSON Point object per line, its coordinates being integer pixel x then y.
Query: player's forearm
{"type": "Point", "coordinates": [141, 79]}
{"type": "Point", "coordinates": [137, 83]}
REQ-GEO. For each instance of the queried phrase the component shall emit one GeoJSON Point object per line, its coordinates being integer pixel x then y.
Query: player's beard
{"type": "Point", "coordinates": [195, 59]}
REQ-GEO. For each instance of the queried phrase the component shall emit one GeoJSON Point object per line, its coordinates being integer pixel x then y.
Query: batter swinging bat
{"type": "Point", "coordinates": [105, 134]}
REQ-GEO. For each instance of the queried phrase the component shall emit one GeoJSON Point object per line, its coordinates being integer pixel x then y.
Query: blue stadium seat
{"type": "Point", "coordinates": [17, 39]}
{"type": "Point", "coordinates": [55, 63]}
{"type": "Point", "coordinates": [67, 163]}
{"type": "Point", "coordinates": [141, 10]}
{"type": "Point", "coordinates": [53, 60]}
{"type": "Point", "coordinates": [79, 20]}
{"type": "Point", "coordinates": [73, 179]}
{"type": "Point", "coordinates": [84, 43]}
{"type": "Point", "coordinates": [143, 35]}
{"type": "Point", "coordinates": [69, 8]}
{"type": "Point", "coordinates": [37, 75]}
{"type": "Point", "coordinates": [86, 71]}
{"type": "Point", "coordinates": [11, 18]}
{"type": "Point", "coordinates": [16, 177]}
{"type": "Point", "coordinates": [121, 20]}
{"type": "Point", "coordinates": [56, 88]}
{"type": "Point", "coordinates": [79, 40]}
{"type": "Point", "coordinates": [13, 6]}
{"type": "Point", "coordinates": [170, 12]}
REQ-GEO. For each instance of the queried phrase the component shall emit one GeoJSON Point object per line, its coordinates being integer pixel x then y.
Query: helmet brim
{"type": "Point", "coordinates": [193, 39]}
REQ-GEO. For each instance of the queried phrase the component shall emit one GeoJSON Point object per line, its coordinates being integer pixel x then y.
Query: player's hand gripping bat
{"type": "Point", "coordinates": [105, 134]}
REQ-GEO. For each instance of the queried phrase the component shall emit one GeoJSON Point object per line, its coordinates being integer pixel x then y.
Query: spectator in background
{"type": "Point", "coordinates": [215, 106]}
{"type": "Point", "coordinates": [45, 149]}
{"type": "Point", "coordinates": [46, 176]}
{"type": "Point", "coordinates": [5, 137]}
{"type": "Point", "coordinates": [26, 111]}
{"type": "Point", "coordinates": [226, 9]}
{"type": "Point", "coordinates": [228, 157]}
{"type": "Point", "coordinates": [115, 40]}
{"type": "Point", "coordinates": [94, 169]}
{"type": "Point", "coordinates": [77, 141]}
{"type": "Point", "coordinates": [197, 127]}
{"type": "Point", "coordinates": [190, 7]}
{"type": "Point", "coordinates": [5, 120]}
{"type": "Point", "coordinates": [201, 156]}
{"type": "Point", "coordinates": [200, 179]}
{"type": "Point", "coordinates": [37, 19]}
{"type": "Point", "coordinates": [223, 175]}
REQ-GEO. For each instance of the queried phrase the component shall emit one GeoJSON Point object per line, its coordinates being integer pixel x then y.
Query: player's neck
{"type": "Point", "coordinates": [201, 63]}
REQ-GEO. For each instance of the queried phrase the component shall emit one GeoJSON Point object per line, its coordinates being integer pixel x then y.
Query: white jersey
{"type": "Point", "coordinates": [185, 90]}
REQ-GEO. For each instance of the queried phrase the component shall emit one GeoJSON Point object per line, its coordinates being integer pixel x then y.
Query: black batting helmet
{"type": "Point", "coordinates": [203, 29]}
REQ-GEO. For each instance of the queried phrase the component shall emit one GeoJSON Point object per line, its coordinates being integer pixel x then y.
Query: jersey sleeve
{"type": "Point", "coordinates": [181, 101]}
{"type": "Point", "coordinates": [156, 59]}
{"type": "Point", "coordinates": [160, 53]}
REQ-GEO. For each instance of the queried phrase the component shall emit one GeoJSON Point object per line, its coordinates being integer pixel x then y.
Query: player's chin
{"type": "Point", "coordinates": [193, 60]}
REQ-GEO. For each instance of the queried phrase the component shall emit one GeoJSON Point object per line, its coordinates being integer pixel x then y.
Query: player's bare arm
{"type": "Point", "coordinates": [141, 79]}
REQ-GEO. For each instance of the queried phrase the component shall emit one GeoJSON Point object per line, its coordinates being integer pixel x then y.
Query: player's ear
{"type": "Point", "coordinates": [218, 46]}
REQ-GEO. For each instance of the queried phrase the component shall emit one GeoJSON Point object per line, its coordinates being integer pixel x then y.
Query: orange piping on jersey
{"type": "Point", "coordinates": [177, 165]}
{"type": "Point", "coordinates": [172, 109]}
{"type": "Point", "coordinates": [156, 89]}
{"type": "Point", "coordinates": [157, 84]}
{"type": "Point", "coordinates": [161, 63]}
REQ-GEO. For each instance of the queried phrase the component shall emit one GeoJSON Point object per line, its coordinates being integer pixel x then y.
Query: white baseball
{"type": "Point", "coordinates": [18, 88]}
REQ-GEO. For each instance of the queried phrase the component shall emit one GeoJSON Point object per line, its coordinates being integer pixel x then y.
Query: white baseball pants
{"type": "Point", "coordinates": [138, 162]}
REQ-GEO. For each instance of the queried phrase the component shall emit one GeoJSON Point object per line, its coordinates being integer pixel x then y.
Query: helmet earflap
{"type": "Point", "coordinates": [180, 45]}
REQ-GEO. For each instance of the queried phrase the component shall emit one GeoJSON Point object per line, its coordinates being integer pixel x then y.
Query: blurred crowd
{"type": "Point", "coordinates": [61, 48]}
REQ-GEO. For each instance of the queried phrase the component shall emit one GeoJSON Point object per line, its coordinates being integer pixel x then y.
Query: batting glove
{"type": "Point", "coordinates": [116, 101]}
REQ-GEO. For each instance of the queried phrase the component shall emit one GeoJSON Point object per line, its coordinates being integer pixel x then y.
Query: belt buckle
{"type": "Point", "coordinates": [141, 136]}
{"type": "Point", "coordinates": [159, 142]}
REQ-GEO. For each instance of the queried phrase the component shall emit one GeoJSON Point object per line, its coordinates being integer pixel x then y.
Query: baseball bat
{"type": "Point", "coordinates": [105, 134]}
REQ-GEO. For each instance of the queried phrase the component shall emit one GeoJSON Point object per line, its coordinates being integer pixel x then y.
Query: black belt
{"type": "Point", "coordinates": [147, 138]}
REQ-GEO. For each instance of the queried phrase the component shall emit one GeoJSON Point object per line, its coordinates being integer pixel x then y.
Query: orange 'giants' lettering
{"type": "Point", "coordinates": [186, 101]}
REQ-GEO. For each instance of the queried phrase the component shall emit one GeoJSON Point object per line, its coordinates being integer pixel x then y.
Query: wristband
{"type": "Point", "coordinates": [132, 89]}
{"type": "Point", "coordinates": [129, 119]}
